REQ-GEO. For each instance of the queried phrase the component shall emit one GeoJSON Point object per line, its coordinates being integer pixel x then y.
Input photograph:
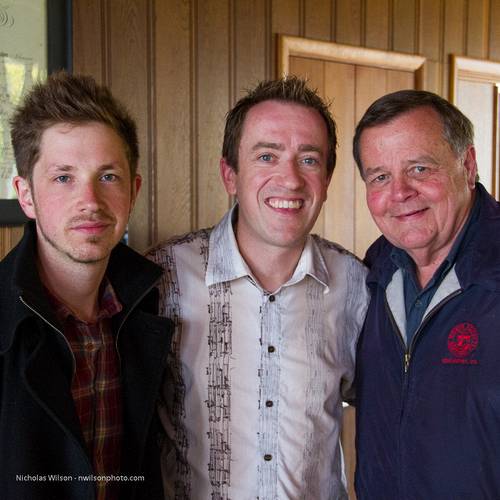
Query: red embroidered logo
{"type": "Point", "coordinates": [463, 340]}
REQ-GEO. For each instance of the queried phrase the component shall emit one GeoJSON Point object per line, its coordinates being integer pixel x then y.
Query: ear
{"type": "Point", "coordinates": [136, 187]}
{"type": "Point", "coordinates": [228, 176]}
{"type": "Point", "coordinates": [470, 166]}
{"type": "Point", "coordinates": [25, 196]}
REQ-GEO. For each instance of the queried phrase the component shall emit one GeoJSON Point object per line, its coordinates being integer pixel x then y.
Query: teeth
{"type": "Point", "coordinates": [276, 203]}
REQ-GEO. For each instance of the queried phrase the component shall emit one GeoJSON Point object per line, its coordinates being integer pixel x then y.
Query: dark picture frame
{"type": "Point", "coordinates": [59, 56]}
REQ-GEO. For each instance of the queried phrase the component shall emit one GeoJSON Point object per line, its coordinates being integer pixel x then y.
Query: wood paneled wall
{"type": "Point", "coordinates": [180, 64]}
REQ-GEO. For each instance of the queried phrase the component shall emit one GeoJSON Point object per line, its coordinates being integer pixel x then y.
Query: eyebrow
{"type": "Point", "coordinates": [413, 161]}
{"type": "Point", "coordinates": [61, 168]}
{"type": "Point", "coordinates": [371, 171]}
{"type": "Point", "coordinates": [423, 159]}
{"type": "Point", "coordinates": [268, 145]}
{"type": "Point", "coordinates": [281, 147]}
{"type": "Point", "coordinates": [67, 168]}
{"type": "Point", "coordinates": [310, 147]}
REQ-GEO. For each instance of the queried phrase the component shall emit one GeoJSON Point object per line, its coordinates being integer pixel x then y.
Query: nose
{"type": "Point", "coordinates": [89, 196]}
{"type": "Point", "coordinates": [291, 176]}
{"type": "Point", "coordinates": [401, 188]}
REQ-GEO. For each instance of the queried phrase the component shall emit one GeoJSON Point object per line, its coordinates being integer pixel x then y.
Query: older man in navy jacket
{"type": "Point", "coordinates": [428, 378]}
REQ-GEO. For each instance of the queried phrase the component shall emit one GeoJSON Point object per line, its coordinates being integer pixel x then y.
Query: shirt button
{"type": "Point", "coordinates": [418, 303]}
{"type": "Point", "coordinates": [272, 298]}
{"type": "Point", "coordinates": [271, 348]}
{"type": "Point", "coordinates": [268, 457]}
{"type": "Point", "coordinates": [269, 403]}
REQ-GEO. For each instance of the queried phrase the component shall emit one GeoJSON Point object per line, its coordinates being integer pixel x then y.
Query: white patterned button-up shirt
{"type": "Point", "coordinates": [258, 378]}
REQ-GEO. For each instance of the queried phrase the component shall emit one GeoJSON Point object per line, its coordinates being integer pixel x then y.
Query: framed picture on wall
{"type": "Point", "coordinates": [35, 39]}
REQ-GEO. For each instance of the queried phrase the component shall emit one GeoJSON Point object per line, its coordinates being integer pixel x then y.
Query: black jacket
{"type": "Point", "coordinates": [42, 450]}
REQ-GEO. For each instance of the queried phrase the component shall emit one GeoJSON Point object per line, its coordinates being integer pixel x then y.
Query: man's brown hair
{"type": "Point", "coordinates": [288, 90]}
{"type": "Point", "coordinates": [73, 99]}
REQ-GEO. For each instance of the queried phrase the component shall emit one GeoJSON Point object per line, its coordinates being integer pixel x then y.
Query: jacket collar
{"type": "Point", "coordinates": [19, 272]}
{"type": "Point", "coordinates": [477, 262]}
{"type": "Point", "coordinates": [225, 262]}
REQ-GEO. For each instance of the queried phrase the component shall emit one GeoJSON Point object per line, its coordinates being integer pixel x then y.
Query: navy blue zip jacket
{"type": "Point", "coordinates": [43, 454]}
{"type": "Point", "coordinates": [428, 416]}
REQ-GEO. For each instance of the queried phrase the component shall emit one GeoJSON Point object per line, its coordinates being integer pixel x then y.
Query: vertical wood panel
{"type": "Point", "coordinates": [88, 43]}
{"type": "Point", "coordinates": [454, 35]}
{"type": "Point", "coordinates": [174, 140]}
{"type": "Point", "coordinates": [285, 19]}
{"type": "Point", "coordinates": [213, 95]}
{"type": "Point", "coordinates": [477, 28]}
{"type": "Point", "coordinates": [404, 38]}
{"type": "Point", "coordinates": [249, 45]}
{"type": "Point", "coordinates": [348, 22]}
{"type": "Point", "coordinates": [433, 77]}
{"type": "Point", "coordinates": [494, 35]}
{"type": "Point", "coordinates": [339, 207]}
{"type": "Point", "coordinates": [397, 80]}
{"type": "Point", "coordinates": [371, 83]}
{"type": "Point", "coordinates": [318, 19]}
{"type": "Point", "coordinates": [132, 50]}
{"type": "Point", "coordinates": [430, 39]}
{"type": "Point", "coordinates": [376, 22]}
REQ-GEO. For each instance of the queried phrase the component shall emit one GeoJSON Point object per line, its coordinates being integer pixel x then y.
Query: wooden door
{"type": "Point", "coordinates": [350, 78]}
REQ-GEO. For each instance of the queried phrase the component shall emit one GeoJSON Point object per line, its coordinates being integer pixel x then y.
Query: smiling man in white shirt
{"type": "Point", "coordinates": [267, 316]}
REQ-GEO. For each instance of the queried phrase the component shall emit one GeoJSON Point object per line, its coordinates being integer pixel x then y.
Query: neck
{"type": "Point", "coordinates": [425, 272]}
{"type": "Point", "coordinates": [76, 285]}
{"type": "Point", "coordinates": [272, 267]}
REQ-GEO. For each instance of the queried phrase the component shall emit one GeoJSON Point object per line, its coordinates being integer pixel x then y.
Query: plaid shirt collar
{"type": "Point", "coordinates": [109, 305]}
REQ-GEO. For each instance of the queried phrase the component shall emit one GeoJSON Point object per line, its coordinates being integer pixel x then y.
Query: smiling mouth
{"type": "Point", "coordinates": [285, 204]}
{"type": "Point", "coordinates": [409, 215]}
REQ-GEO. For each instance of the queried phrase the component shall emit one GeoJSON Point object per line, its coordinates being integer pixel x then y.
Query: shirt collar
{"type": "Point", "coordinates": [225, 262]}
{"type": "Point", "coordinates": [109, 305]}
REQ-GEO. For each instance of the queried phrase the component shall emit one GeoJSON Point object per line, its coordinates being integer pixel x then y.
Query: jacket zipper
{"type": "Point", "coordinates": [72, 358]}
{"type": "Point", "coordinates": [54, 328]}
{"type": "Point", "coordinates": [408, 350]}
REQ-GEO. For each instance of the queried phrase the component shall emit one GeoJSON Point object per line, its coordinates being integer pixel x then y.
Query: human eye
{"type": "Point", "coordinates": [419, 171]}
{"type": "Point", "coordinates": [109, 178]}
{"type": "Point", "coordinates": [310, 161]}
{"type": "Point", "coordinates": [378, 179]}
{"type": "Point", "coordinates": [62, 179]}
{"type": "Point", "coordinates": [266, 157]}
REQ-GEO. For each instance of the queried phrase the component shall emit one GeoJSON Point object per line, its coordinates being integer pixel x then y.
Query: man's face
{"type": "Point", "coordinates": [282, 179]}
{"type": "Point", "coordinates": [418, 192]}
{"type": "Point", "coordinates": [81, 193]}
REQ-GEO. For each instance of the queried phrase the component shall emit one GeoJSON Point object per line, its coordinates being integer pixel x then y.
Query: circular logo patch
{"type": "Point", "coordinates": [463, 340]}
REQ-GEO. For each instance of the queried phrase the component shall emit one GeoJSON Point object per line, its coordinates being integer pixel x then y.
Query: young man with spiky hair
{"type": "Point", "coordinates": [267, 315]}
{"type": "Point", "coordinates": [81, 348]}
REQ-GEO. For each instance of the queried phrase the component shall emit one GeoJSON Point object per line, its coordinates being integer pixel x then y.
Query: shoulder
{"type": "Point", "coordinates": [182, 243]}
{"type": "Point", "coordinates": [380, 248]}
{"type": "Point", "coordinates": [331, 250]}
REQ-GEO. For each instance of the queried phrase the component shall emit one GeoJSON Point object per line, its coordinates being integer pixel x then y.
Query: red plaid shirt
{"type": "Point", "coordinates": [96, 385]}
